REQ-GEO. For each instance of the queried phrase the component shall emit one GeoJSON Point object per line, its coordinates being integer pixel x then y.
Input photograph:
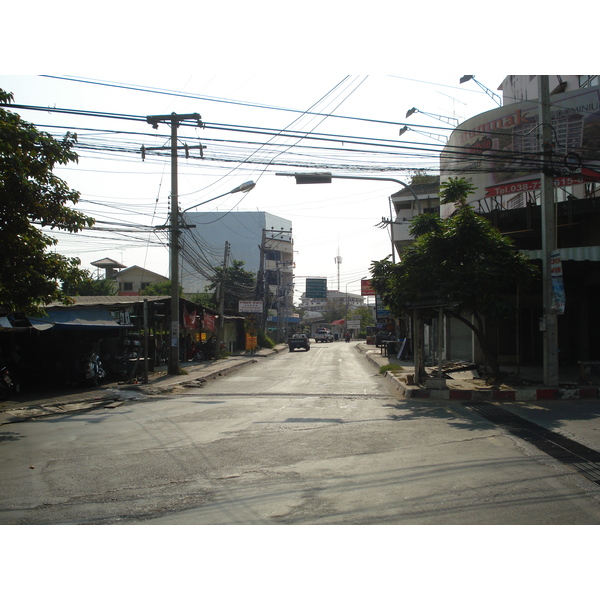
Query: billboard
{"type": "Point", "coordinates": [316, 288]}
{"type": "Point", "coordinates": [365, 288]}
{"type": "Point", "coordinates": [499, 151]}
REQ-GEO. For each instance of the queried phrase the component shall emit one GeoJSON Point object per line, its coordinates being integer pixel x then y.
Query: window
{"type": "Point", "coordinates": [273, 254]}
{"type": "Point", "coordinates": [588, 80]}
{"type": "Point", "coordinates": [128, 286]}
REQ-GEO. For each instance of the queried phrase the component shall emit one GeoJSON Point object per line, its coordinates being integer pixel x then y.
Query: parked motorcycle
{"type": "Point", "coordinates": [92, 371]}
{"type": "Point", "coordinates": [6, 383]}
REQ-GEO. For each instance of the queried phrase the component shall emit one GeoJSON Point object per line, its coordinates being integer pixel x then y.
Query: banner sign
{"type": "Point", "coordinates": [250, 306]}
{"type": "Point", "coordinates": [558, 288]}
{"type": "Point", "coordinates": [365, 288]}
{"type": "Point", "coordinates": [209, 322]}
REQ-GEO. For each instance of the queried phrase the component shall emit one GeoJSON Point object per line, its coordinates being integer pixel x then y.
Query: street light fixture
{"type": "Point", "coordinates": [245, 187]}
{"type": "Point", "coordinates": [442, 118]}
{"type": "Point", "coordinates": [326, 177]}
{"type": "Point", "coordinates": [435, 136]}
{"type": "Point", "coordinates": [489, 92]}
{"type": "Point", "coordinates": [174, 258]}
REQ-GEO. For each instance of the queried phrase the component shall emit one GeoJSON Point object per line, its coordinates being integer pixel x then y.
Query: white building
{"type": "Point", "coordinates": [318, 305]}
{"type": "Point", "coordinates": [261, 240]}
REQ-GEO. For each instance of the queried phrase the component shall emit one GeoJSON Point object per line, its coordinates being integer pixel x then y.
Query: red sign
{"type": "Point", "coordinates": [189, 319]}
{"type": "Point", "coordinates": [209, 322]}
{"type": "Point", "coordinates": [535, 184]}
{"type": "Point", "coordinates": [365, 288]}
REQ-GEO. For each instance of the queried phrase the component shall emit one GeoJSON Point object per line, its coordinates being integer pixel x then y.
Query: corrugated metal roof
{"type": "Point", "coordinates": [108, 300]}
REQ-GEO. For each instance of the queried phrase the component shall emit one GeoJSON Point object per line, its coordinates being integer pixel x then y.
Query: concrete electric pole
{"type": "Point", "coordinates": [174, 120]}
{"type": "Point", "coordinates": [549, 319]}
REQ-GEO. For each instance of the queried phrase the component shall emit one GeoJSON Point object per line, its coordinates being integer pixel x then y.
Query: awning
{"type": "Point", "coordinates": [7, 325]}
{"type": "Point", "coordinates": [76, 318]}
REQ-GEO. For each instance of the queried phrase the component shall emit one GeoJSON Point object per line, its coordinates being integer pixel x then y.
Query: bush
{"type": "Point", "coordinates": [264, 341]}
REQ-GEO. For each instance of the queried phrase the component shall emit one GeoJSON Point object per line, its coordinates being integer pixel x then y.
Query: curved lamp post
{"type": "Point", "coordinates": [326, 177]}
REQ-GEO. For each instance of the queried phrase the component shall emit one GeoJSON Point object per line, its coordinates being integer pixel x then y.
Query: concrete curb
{"type": "Point", "coordinates": [529, 394]}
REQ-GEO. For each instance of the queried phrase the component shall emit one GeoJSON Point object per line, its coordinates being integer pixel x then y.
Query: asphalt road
{"type": "Point", "coordinates": [312, 437]}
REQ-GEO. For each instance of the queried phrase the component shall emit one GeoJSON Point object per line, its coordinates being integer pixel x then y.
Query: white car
{"type": "Point", "coordinates": [323, 335]}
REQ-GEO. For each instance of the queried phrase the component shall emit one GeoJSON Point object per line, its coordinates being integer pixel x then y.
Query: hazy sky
{"type": "Point", "coordinates": [117, 187]}
{"type": "Point", "coordinates": [260, 67]}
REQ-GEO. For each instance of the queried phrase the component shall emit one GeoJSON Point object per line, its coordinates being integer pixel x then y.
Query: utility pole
{"type": "Point", "coordinates": [262, 282]}
{"type": "Point", "coordinates": [174, 120]}
{"type": "Point", "coordinates": [222, 299]}
{"type": "Point", "coordinates": [549, 324]}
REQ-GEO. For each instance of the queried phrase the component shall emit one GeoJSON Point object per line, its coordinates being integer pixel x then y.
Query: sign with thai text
{"type": "Point", "coordinates": [250, 306]}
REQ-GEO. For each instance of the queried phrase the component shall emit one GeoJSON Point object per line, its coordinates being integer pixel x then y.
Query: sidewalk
{"type": "Point", "coordinates": [526, 388]}
{"type": "Point", "coordinates": [20, 407]}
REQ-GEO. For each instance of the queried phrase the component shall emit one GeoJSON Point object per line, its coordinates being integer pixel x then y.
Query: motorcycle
{"type": "Point", "coordinates": [6, 383]}
{"type": "Point", "coordinates": [92, 371]}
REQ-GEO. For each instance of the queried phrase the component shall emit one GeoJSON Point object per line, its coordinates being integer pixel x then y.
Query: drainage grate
{"type": "Point", "coordinates": [583, 459]}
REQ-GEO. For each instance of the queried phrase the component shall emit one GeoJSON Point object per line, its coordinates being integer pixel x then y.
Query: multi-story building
{"type": "Point", "coordinates": [261, 240]}
{"type": "Point", "coordinates": [406, 208]}
{"type": "Point", "coordinates": [500, 152]}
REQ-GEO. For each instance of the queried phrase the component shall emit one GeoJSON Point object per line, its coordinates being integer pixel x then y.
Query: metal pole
{"type": "Point", "coordinates": [220, 327]}
{"type": "Point", "coordinates": [549, 324]}
{"type": "Point", "coordinates": [145, 341]}
{"type": "Point", "coordinates": [174, 352]}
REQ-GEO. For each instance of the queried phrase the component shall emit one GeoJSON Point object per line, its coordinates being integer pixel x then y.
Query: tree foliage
{"type": "Point", "coordinates": [462, 260]}
{"type": "Point", "coordinates": [239, 285]}
{"type": "Point", "coordinates": [32, 197]}
{"type": "Point", "coordinates": [334, 310]}
{"type": "Point", "coordinates": [88, 286]}
{"type": "Point", "coordinates": [365, 314]}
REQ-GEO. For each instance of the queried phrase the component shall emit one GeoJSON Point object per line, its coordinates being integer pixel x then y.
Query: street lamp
{"type": "Point", "coordinates": [325, 177]}
{"type": "Point", "coordinates": [442, 118]}
{"type": "Point", "coordinates": [435, 136]}
{"type": "Point", "coordinates": [489, 92]}
{"type": "Point", "coordinates": [174, 259]}
{"type": "Point", "coordinates": [245, 187]}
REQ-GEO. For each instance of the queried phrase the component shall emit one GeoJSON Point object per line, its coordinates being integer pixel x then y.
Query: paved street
{"type": "Point", "coordinates": [314, 437]}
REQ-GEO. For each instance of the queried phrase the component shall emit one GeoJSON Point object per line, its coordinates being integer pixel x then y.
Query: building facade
{"type": "Point", "coordinates": [500, 153]}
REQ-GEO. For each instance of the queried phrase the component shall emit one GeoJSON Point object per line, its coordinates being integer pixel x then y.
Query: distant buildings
{"type": "Point", "coordinates": [318, 305]}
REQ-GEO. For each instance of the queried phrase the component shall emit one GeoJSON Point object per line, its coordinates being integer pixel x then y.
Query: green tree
{"type": "Point", "coordinates": [420, 176]}
{"type": "Point", "coordinates": [463, 260]}
{"type": "Point", "coordinates": [365, 314]}
{"type": "Point", "coordinates": [159, 288]}
{"type": "Point", "coordinates": [335, 309]}
{"type": "Point", "coordinates": [32, 197]}
{"type": "Point", "coordinates": [88, 286]}
{"type": "Point", "coordinates": [239, 285]}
